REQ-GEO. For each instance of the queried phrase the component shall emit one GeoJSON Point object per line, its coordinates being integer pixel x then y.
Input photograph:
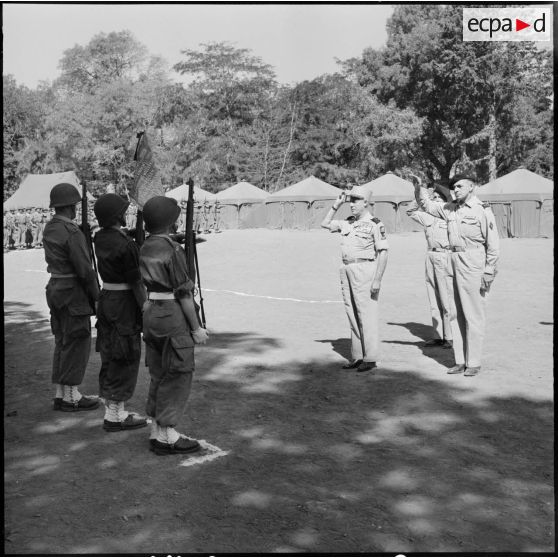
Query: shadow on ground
{"type": "Point", "coordinates": [318, 461]}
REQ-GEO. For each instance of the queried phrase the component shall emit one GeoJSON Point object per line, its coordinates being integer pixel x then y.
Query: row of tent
{"type": "Point", "coordinates": [522, 202]}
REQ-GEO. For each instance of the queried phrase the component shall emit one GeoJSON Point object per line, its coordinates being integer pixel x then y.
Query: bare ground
{"type": "Point", "coordinates": [319, 459]}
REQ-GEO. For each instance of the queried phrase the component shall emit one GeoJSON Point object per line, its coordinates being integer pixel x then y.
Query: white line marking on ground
{"type": "Point", "coordinates": [215, 452]}
{"type": "Point", "coordinates": [273, 297]}
{"type": "Point", "coordinates": [37, 270]}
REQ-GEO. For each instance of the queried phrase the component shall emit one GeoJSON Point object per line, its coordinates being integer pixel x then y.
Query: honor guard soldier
{"type": "Point", "coordinates": [438, 273]}
{"type": "Point", "coordinates": [364, 253]}
{"type": "Point", "coordinates": [474, 246]}
{"type": "Point", "coordinates": [11, 218]}
{"type": "Point", "coordinates": [29, 226]}
{"type": "Point", "coordinates": [170, 327]}
{"type": "Point", "coordinates": [71, 293]}
{"type": "Point", "coordinates": [118, 313]}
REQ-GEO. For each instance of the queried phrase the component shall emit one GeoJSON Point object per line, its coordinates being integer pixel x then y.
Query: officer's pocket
{"type": "Point", "coordinates": [78, 322]}
{"type": "Point", "coordinates": [60, 295]}
{"type": "Point", "coordinates": [125, 343]}
{"type": "Point", "coordinates": [180, 354]}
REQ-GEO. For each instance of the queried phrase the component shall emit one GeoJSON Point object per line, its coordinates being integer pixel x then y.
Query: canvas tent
{"type": "Point", "coordinates": [241, 206]}
{"type": "Point", "coordinates": [522, 202]}
{"type": "Point", "coordinates": [35, 189]}
{"type": "Point", "coordinates": [391, 196]}
{"type": "Point", "coordinates": [300, 206]}
{"type": "Point", "coordinates": [181, 194]}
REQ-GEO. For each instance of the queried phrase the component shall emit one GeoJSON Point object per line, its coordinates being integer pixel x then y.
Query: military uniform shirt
{"type": "Point", "coordinates": [471, 225]}
{"type": "Point", "coordinates": [66, 252]}
{"type": "Point", "coordinates": [117, 257]}
{"type": "Point", "coordinates": [163, 266]}
{"type": "Point", "coordinates": [361, 238]}
{"type": "Point", "coordinates": [435, 229]}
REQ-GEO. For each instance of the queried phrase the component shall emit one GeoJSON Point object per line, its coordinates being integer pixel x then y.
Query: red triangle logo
{"type": "Point", "coordinates": [519, 25]}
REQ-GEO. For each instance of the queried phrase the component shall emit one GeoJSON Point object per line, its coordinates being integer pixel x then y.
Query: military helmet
{"type": "Point", "coordinates": [64, 194]}
{"type": "Point", "coordinates": [159, 213]}
{"type": "Point", "coordinates": [108, 208]}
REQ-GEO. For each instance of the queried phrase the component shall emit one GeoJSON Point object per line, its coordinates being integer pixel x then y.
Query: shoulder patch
{"type": "Point", "coordinates": [376, 220]}
{"type": "Point", "coordinates": [71, 227]}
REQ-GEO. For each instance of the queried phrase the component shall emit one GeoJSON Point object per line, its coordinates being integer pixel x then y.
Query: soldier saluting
{"type": "Point", "coordinates": [475, 248]}
{"type": "Point", "coordinates": [71, 293]}
{"type": "Point", "coordinates": [364, 252]}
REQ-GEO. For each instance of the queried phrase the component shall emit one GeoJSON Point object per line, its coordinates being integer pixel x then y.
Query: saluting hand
{"type": "Point", "coordinates": [340, 199]}
{"type": "Point", "coordinates": [200, 336]}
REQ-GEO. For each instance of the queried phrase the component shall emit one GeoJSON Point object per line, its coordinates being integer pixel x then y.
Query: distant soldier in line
{"type": "Point", "coordinates": [118, 313]}
{"type": "Point", "coordinates": [30, 226]}
{"type": "Point", "coordinates": [8, 219]}
{"type": "Point", "coordinates": [12, 228]}
{"type": "Point", "coordinates": [475, 249]}
{"type": "Point", "coordinates": [72, 294]}
{"type": "Point", "coordinates": [364, 252]}
{"type": "Point", "coordinates": [36, 224]}
{"type": "Point", "coordinates": [438, 273]}
{"type": "Point", "coordinates": [21, 229]}
{"type": "Point", "coordinates": [170, 327]}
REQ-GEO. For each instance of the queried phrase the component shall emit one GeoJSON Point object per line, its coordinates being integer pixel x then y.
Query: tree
{"type": "Point", "coordinates": [464, 91]}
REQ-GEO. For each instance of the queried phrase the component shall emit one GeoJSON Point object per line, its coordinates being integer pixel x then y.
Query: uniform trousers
{"type": "Point", "coordinates": [119, 344]}
{"type": "Point", "coordinates": [7, 234]}
{"type": "Point", "coordinates": [38, 234]}
{"type": "Point", "coordinates": [439, 286]}
{"type": "Point", "coordinates": [21, 235]}
{"type": "Point", "coordinates": [70, 322]}
{"type": "Point", "coordinates": [468, 336]}
{"type": "Point", "coordinates": [170, 358]}
{"type": "Point", "coordinates": [361, 309]}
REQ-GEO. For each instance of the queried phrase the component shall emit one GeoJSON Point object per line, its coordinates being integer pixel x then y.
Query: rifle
{"type": "Point", "coordinates": [86, 229]}
{"type": "Point", "coordinates": [140, 232]}
{"type": "Point", "coordinates": [191, 251]}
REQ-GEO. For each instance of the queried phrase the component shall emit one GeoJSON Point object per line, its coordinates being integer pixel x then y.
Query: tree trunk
{"type": "Point", "coordinates": [492, 146]}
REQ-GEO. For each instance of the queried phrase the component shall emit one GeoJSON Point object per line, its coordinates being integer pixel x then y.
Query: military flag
{"type": "Point", "coordinates": [147, 178]}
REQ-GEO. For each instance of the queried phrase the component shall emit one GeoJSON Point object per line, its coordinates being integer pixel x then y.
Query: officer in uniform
{"type": "Point", "coordinates": [170, 327]}
{"type": "Point", "coordinates": [475, 249]}
{"type": "Point", "coordinates": [438, 273]}
{"type": "Point", "coordinates": [71, 293]}
{"type": "Point", "coordinates": [364, 252]}
{"type": "Point", "coordinates": [118, 313]}
{"type": "Point", "coordinates": [7, 227]}
{"type": "Point", "coordinates": [11, 219]}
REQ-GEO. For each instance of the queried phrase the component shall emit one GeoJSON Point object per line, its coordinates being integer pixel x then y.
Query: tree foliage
{"type": "Point", "coordinates": [426, 101]}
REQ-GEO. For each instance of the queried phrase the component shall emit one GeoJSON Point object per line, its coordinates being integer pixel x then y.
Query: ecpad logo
{"type": "Point", "coordinates": [507, 24]}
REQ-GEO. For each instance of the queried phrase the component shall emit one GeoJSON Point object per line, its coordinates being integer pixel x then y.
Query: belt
{"type": "Point", "coordinates": [62, 275]}
{"type": "Point", "coordinates": [160, 296]}
{"type": "Point", "coordinates": [117, 287]}
{"type": "Point", "coordinates": [463, 249]}
{"type": "Point", "coordinates": [444, 249]}
{"type": "Point", "coordinates": [356, 260]}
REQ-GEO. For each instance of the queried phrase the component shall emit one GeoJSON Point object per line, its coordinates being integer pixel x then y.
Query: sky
{"type": "Point", "coordinates": [301, 42]}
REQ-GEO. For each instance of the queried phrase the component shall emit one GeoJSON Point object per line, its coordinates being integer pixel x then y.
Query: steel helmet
{"type": "Point", "coordinates": [64, 194]}
{"type": "Point", "coordinates": [160, 212]}
{"type": "Point", "coordinates": [108, 208]}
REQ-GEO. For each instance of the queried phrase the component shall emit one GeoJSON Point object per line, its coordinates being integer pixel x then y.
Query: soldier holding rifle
{"type": "Point", "coordinates": [474, 245]}
{"type": "Point", "coordinates": [72, 293]}
{"type": "Point", "coordinates": [119, 313]}
{"type": "Point", "coordinates": [170, 327]}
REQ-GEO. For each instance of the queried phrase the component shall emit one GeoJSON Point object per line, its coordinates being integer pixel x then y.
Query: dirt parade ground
{"type": "Point", "coordinates": [300, 456]}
